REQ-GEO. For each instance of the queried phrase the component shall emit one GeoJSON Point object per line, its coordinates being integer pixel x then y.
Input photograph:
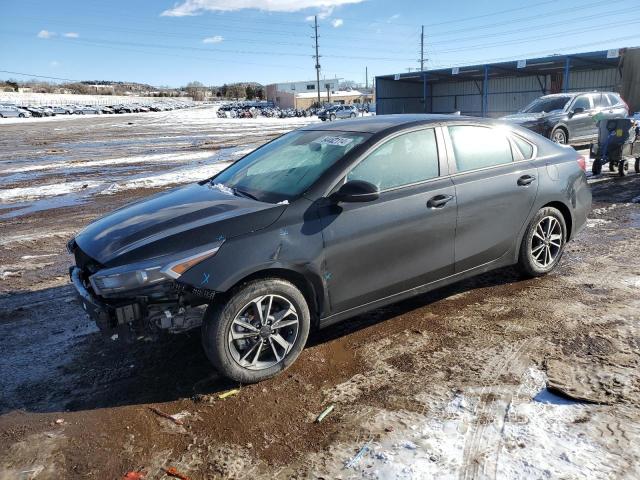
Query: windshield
{"type": "Point", "coordinates": [550, 104]}
{"type": "Point", "coordinates": [288, 166]}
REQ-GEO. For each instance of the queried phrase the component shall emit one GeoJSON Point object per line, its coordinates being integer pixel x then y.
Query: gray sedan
{"type": "Point", "coordinates": [325, 223]}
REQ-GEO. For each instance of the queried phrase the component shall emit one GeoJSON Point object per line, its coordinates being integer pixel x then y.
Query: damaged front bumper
{"type": "Point", "coordinates": [179, 309]}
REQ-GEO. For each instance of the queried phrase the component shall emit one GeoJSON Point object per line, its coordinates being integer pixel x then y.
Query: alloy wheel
{"type": "Point", "coordinates": [263, 332]}
{"type": "Point", "coordinates": [546, 242]}
{"type": "Point", "coordinates": [559, 136]}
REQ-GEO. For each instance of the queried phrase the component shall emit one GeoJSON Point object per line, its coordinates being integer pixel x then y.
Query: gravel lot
{"type": "Point", "coordinates": [496, 377]}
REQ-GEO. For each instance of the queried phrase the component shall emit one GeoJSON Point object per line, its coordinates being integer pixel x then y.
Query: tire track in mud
{"type": "Point", "coordinates": [479, 443]}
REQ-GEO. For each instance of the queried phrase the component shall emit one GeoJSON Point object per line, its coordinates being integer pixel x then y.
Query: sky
{"type": "Point", "coordinates": [170, 43]}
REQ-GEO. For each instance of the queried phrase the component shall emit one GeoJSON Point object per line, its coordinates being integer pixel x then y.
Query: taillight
{"type": "Point", "coordinates": [582, 163]}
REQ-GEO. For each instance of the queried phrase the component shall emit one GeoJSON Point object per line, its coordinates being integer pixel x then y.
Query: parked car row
{"type": "Point", "coordinates": [16, 111]}
{"type": "Point", "coordinates": [256, 109]}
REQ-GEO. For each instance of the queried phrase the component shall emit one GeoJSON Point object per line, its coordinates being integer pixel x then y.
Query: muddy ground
{"type": "Point", "coordinates": [497, 377]}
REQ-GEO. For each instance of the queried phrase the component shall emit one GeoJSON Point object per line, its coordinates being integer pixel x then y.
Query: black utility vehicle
{"type": "Point", "coordinates": [570, 118]}
{"type": "Point", "coordinates": [327, 222]}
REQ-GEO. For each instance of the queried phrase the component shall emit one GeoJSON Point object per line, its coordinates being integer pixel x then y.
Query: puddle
{"type": "Point", "coordinates": [548, 397]}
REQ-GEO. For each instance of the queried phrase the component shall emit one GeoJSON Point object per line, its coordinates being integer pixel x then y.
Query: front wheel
{"type": "Point", "coordinates": [596, 168]}
{"type": "Point", "coordinates": [353, 115]}
{"type": "Point", "coordinates": [258, 332]}
{"type": "Point", "coordinates": [637, 165]}
{"type": "Point", "coordinates": [543, 243]}
{"type": "Point", "coordinates": [332, 118]}
{"type": "Point", "coordinates": [559, 136]}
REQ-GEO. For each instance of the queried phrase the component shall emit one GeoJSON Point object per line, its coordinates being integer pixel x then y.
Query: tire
{"type": "Point", "coordinates": [21, 115]}
{"type": "Point", "coordinates": [559, 136]}
{"type": "Point", "coordinates": [353, 115]}
{"type": "Point", "coordinates": [623, 166]}
{"type": "Point", "coordinates": [243, 359]}
{"type": "Point", "coordinates": [540, 254]}
{"type": "Point", "coordinates": [596, 168]}
{"type": "Point", "coordinates": [612, 167]}
{"type": "Point", "coordinates": [637, 165]}
{"type": "Point", "coordinates": [332, 118]}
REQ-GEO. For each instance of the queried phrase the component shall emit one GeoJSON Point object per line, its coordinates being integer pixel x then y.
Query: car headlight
{"type": "Point", "coordinates": [149, 273]}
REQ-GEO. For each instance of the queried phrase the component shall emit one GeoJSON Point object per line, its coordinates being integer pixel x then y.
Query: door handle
{"type": "Point", "coordinates": [526, 180]}
{"type": "Point", "coordinates": [439, 201]}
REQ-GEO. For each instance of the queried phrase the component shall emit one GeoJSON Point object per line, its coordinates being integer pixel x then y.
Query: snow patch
{"type": "Point", "coordinates": [223, 188]}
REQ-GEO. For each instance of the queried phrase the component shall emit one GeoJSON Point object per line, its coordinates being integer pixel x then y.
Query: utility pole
{"type": "Point", "coordinates": [366, 78]}
{"type": "Point", "coordinates": [317, 56]}
{"type": "Point", "coordinates": [422, 50]}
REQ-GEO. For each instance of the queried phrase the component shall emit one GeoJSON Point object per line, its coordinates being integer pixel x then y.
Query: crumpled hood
{"type": "Point", "coordinates": [173, 221]}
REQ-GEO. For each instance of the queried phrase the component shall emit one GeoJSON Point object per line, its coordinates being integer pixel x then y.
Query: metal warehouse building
{"type": "Point", "coordinates": [497, 89]}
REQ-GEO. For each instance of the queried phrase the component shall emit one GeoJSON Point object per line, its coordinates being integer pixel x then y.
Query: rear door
{"type": "Point", "coordinates": [401, 240]}
{"type": "Point", "coordinates": [495, 185]}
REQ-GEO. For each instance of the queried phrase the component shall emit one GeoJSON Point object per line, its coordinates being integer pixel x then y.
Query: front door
{"type": "Point", "coordinates": [401, 240]}
{"type": "Point", "coordinates": [581, 124]}
{"type": "Point", "coordinates": [495, 193]}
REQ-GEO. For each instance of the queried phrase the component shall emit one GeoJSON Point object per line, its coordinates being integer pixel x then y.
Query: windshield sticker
{"type": "Point", "coordinates": [335, 141]}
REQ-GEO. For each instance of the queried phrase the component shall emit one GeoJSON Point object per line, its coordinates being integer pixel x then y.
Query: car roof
{"type": "Point", "coordinates": [386, 122]}
{"type": "Point", "coordinates": [573, 94]}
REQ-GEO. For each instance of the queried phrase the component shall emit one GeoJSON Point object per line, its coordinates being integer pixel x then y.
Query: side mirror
{"type": "Point", "coordinates": [577, 110]}
{"type": "Point", "coordinates": [356, 191]}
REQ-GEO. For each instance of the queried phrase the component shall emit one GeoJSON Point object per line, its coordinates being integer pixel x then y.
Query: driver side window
{"type": "Point", "coordinates": [403, 160]}
{"type": "Point", "coordinates": [582, 102]}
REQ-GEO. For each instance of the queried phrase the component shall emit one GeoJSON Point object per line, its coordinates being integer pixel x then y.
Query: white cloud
{"type": "Point", "coordinates": [393, 17]}
{"type": "Point", "coordinates": [214, 39]}
{"type": "Point", "coordinates": [197, 7]}
{"type": "Point", "coordinates": [325, 13]}
{"type": "Point", "coordinates": [71, 35]}
{"type": "Point", "coordinates": [337, 22]}
{"type": "Point", "coordinates": [46, 34]}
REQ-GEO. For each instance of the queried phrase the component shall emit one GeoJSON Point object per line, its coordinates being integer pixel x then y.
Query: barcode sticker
{"type": "Point", "coordinates": [335, 141]}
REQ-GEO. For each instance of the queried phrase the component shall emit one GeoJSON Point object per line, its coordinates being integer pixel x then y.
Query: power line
{"type": "Point", "coordinates": [544, 37]}
{"type": "Point", "coordinates": [31, 75]}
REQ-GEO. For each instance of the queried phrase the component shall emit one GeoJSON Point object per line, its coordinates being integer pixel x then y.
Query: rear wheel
{"type": "Point", "coordinates": [637, 165]}
{"type": "Point", "coordinates": [258, 332]}
{"type": "Point", "coordinates": [596, 168]}
{"type": "Point", "coordinates": [623, 166]}
{"type": "Point", "coordinates": [353, 115]}
{"type": "Point", "coordinates": [612, 167]}
{"type": "Point", "coordinates": [543, 242]}
{"type": "Point", "coordinates": [332, 117]}
{"type": "Point", "coordinates": [559, 136]}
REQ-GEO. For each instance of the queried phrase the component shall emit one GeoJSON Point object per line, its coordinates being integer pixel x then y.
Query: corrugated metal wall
{"type": "Point", "coordinates": [393, 96]}
{"type": "Point", "coordinates": [505, 94]}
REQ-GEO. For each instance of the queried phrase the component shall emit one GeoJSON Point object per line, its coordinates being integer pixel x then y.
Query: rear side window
{"type": "Point", "coordinates": [403, 160]}
{"type": "Point", "coordinates": [614, 99]}
{"type": "Point", "coordinates": [479, 147]}
{"type": "Point", "coordinates": [600, 100]}
{"type": "Point", "coordinates": [525, 147]}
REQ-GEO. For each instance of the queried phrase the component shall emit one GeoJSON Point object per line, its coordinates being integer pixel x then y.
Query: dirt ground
{"type": "Point", "coordinates": [496, 377]}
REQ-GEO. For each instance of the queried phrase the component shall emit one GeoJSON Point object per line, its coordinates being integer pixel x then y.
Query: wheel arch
{"type": "Point", "coordinates": [310, 287]}
{"type": "Point", "coordinates": [566, 214]}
